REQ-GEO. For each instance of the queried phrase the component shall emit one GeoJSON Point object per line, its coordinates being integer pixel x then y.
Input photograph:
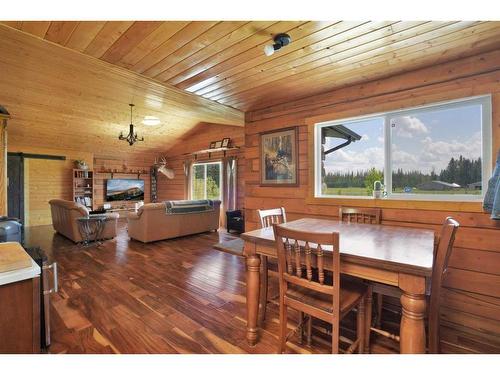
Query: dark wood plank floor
{"type": "Point", "coordinates": [174, 296]}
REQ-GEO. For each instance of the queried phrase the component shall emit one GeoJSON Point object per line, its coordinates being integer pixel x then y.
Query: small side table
{"type": "Point", "coordinates": [91, 228]}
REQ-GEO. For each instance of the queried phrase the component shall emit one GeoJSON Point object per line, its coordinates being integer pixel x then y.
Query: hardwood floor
{"type": "Point", "coordinates": [174, 296]}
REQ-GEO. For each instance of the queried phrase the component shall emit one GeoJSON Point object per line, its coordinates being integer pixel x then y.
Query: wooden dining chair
{"type": "Point", "coordinates": [302, 257]}
{"type": "Point", "coordinates": [366, 216]}
{"type": "Point", "coordinates": [360, 215]}
{"type": "Point", "coordinates": [272, 216]}
{"type": "Point", "coordinates": [439, 268]}
{"type": "Point", "coordinates": [267, 219]}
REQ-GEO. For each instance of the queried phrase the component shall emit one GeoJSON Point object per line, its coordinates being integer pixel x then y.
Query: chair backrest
{"type": "Point", "coordinates": [360, 215]}
{"type": "Point", "coordinates": [301, 261]}
{"type": "Point", "coordinates": [439, 268]}
{"type": "Point", "coordinates": [272, 216]}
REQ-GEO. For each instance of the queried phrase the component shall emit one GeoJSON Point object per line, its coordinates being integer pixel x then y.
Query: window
{"type": "Point", "coordinates": [206, 181]}
{"type": "Point", "coordinates": [353, 155]}
{"type": "Point", "coordinates": [440, 151]}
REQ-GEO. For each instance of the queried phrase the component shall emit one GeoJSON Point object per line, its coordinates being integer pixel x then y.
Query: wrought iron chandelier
{"type": "Point", "coordinates": [132, 137]}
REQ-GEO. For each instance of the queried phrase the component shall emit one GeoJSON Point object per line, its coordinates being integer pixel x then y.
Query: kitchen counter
{"type": "Point", "coordinates": [16, 264]}
{"type": "Point", "coordinates": [20, 274]}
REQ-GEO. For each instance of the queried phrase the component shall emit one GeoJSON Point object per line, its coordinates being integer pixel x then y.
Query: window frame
{"type": "Point", "coordinates": [486, 150]}
{"type": "Point", "coordinates": [206, 164]}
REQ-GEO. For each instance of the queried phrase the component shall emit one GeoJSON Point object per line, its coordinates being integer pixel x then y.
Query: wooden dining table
{"type": "Point", "coordinates": [390, 255]}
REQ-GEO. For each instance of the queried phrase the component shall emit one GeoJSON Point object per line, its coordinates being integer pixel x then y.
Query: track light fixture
{"type": "Point", "coordinates": [280, 40]}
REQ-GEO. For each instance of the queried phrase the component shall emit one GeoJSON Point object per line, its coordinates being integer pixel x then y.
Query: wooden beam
{"type": "Point", "coordinates": [37, 156]}
{"type": "Point", "coordinates": [3, 165]}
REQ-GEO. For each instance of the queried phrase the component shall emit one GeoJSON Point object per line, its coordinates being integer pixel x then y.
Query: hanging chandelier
{"type": "Point", "coordinates": [132, 137]}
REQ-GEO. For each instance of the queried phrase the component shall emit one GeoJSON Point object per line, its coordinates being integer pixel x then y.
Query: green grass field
{"type": "Point", "coordinates": [356, 191]}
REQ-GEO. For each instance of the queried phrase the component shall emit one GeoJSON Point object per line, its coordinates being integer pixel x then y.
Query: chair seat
{"type": "Point", "coordinates": [350, 294]}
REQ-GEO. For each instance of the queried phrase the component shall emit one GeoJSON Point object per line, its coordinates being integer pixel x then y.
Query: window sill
{"type": "Point", "coordinates": [399, 202]}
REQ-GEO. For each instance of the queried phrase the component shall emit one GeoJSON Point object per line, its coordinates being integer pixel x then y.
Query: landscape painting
{"type": "Point", "coordinates": [279, 158]}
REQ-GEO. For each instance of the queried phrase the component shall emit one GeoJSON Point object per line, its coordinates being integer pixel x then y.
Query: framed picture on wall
{"type": "Point", "coordinates": [279, 158]}
{"type": "Point", "coordinates": [212, 145]}
{"type": "Point", "coordinates": [218, 144]}
{"type": "Point", "coordinates": [225, 142]}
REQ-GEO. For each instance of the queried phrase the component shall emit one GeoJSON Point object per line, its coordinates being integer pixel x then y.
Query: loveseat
{"type": "Point", "coordinates": [64, 220]}
{"type": "Point", "coordinates": [156, 221]}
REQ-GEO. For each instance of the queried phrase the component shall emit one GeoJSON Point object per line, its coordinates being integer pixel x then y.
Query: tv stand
{"type": "Point", "coordinates": [122, 211]}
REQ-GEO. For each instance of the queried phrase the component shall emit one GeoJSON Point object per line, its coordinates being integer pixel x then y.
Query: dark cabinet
{"type": "Point", "coordinates": [20, 316]}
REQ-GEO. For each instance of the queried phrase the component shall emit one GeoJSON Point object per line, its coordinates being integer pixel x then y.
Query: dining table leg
{"type": "Point", "coordinates": [413, 302]}
{"type": "Point", "coordinates": [253, 291]}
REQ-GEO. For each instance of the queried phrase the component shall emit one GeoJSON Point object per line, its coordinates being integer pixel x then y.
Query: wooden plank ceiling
{"type": "Point", "coordinates": [60, 99]}
{"type": "Point", "coordinates": [224, 61]}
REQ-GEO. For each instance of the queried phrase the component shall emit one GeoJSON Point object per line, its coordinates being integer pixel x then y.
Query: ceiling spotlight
{"type": "Point", "coordinates": [280, 40]}
{"type": "Point", "coordinates": [151, 120]}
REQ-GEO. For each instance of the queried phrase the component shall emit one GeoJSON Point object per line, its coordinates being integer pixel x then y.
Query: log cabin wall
{"type": "Point", "coordinates": [471, 304]}
{"type": "Point", "coordinates": [199, 139]}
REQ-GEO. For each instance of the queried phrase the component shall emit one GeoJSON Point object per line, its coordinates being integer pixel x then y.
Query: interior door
{"type": "Point", "coordinates": [15, 190]}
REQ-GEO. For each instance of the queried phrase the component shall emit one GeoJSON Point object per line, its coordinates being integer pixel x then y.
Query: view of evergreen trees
{"type": "Point", "coordinates": [462, 171]}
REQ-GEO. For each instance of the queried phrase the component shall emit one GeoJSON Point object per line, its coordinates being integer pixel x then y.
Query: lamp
{"type": "Point", "coordinates": [151, 120]}
{"type": "Point", "coordinates": [132, 137]}
{"type": "Point", "coordinates": [280, 40]}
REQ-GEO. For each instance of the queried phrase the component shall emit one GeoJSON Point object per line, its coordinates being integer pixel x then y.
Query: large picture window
{"type": "Point", "coordinates": [440, 151]}
{"type": "Point", "coordinates": [206, 181]}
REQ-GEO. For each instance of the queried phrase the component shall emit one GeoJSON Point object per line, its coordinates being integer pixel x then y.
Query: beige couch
{"type": "Point", "coordinates": [152, 223]}
{"type": "Point", "coordinates": [64, 215]}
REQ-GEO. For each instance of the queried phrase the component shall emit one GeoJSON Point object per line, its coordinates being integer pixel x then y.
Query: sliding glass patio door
{"type": "Point", "coordinates": [206, 182]}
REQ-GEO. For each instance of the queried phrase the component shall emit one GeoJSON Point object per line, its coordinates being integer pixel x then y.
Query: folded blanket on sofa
{"type": "Point", "coordinates": [188, 206]}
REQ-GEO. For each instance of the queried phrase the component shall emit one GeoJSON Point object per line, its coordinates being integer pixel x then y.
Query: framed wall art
{"type": "Point", "coordinates": [279, 158]}
{"type": "Point", "coordinates": [225, 142]}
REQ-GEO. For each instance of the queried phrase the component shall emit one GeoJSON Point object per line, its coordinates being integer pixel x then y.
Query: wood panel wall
{"type": "Point", "coordinates": [59, 98]}
{"type": "Point", "coordinates": [47, 179]}
{"type": "Point", "coordinates": [471, 306]}
{"type": "Point", "coordinates": [196, 140]}
{"type": "Point", "coordinates": [76, 105]}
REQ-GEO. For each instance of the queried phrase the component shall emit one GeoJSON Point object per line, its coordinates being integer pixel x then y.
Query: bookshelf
{"type": "Point", "coordinates": [154, 184]}
{"type": "Point", "coordinates": [83, 187]}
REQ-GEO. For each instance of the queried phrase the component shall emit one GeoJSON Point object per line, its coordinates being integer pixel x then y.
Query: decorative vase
{"type": "Point", "coordinates": [80, 164]}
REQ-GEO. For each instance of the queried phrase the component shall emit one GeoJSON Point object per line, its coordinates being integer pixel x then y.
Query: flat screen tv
{"type": "Point", "coordinates": [120, 189]}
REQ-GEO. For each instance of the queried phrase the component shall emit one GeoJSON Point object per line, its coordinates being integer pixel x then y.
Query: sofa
{"type": "Point", "coordinates": [64, 215]}
{"type": "Point", "coordinates": [152, 222]}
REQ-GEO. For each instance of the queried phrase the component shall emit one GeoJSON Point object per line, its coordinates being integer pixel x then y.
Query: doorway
{"type": "Point", "coordinates": [15, 189]}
